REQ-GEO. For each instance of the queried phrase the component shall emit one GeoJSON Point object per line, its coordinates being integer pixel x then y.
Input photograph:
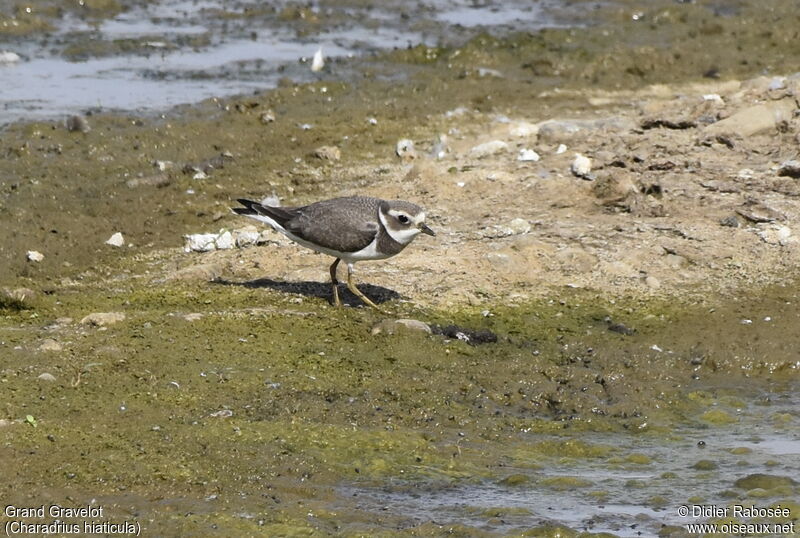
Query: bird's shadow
{"type": "Point", "coordinates": [378, 294]}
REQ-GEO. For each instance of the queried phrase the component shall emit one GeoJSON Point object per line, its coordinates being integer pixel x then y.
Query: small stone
{"type": "Point", "coordinates": [267, 117]}
{"type": "Point", "coordinates": [101, 319]}
{"type": "Point", "coordinates": [46, 377]}
{"type": "Point", "coordinates": [116, 240]}
{"type": "Point", "coordinates": [224, 240]}
{"type": "Point", "coordinates": [652, 282]}
{"type": "Point", "coordinates": [50, 345]}
{"type": "Point", "coordinates": [328, 153]}
{"type": "Point", "coordinates": [524, 129]}
{"type": "Point", "coordinates": [78, 123]}
{"type": "Point", "coordinates": [34, 256]}
{"type": "Point", "coordinates": [488, 148]}
{"type": "Point", "coordinates": [163, 166]}
{"type": "Point", "coordinates": [246, 236]}
{"type": "Point", "coordinates": [561, 149]}
{"type": "Point", "coordinates": [390, 326]}
{"type": "Point", "coordinates": [405, 149]}
{"type": "Point", "coordinates": [200, 242]}
{"type": "Point", "coordinates": [731, 221]}
{"type": "Point", "coordinates": [519, 226]}
{"type": "Point", "coordinates": [194, 316]}
{"type": "Point", "coordinates": [790, 169]}
{"type": "Point", "coordinates": [527, 155]}
{"type": "Point", "coordinates": [581, 166]}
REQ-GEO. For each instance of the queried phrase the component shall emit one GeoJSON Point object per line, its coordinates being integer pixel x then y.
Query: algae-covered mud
{"type": "Point", "coordinates": [601, 347]}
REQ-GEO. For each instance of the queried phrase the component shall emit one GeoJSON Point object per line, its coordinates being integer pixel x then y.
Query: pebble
{"type": "Point", "coordinates": [116, 240]}
{"type": "Point", "coordinates": [101, 319]}
{"type": "Point", "coordinates": [731, 221]}
{"type": "Point", "coordinates": [488, 148]}
{"type": "Point", "coordinates": [405, 149]}
{"type": "Point", "coordinates": [318, 62]}
{"type": "Point", "coordinates": [790, 169]}
{"type": "Point", "coordinates": [526, 155]}
{"type": "Point", "coordinates": [77, 124]}
{"type": "Point", "coordinates": [267, 117]}
{"type": "Point", "coordinates": [46, 377]}
{"type": "Point", "coordinates": [328, 153]}
{"type": "Point", "coordinates": [581, 166]}
{"type": "Point", "coordinates": [652, 282]}
{"type": "Point", "coordinates": [246, 236]}
{"type": "Point", "coordinates": [519, 226]}
{"type": "Point", "coordinates": [34, 256]}
{"type": "Point", "coordinates": [390, 326]}
{"type": "Point", "coordinates": [50, 345]}
{"type": "Point", "coordinates": [524, 129]}
{"type": "Point", "coordinates": [223, 240]}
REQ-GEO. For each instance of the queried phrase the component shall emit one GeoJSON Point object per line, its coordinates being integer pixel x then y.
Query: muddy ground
{"type": "Point", "coordinates": [655, 291]}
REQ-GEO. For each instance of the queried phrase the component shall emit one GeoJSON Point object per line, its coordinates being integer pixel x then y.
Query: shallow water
{"type": "Point", "coordinates": [183, 52]}
{"type": "Point", "coordinates": [634, 491]}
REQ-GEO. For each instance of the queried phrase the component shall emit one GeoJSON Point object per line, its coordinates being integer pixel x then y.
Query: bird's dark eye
{"type": "Point", "coordinates": [403, 219]}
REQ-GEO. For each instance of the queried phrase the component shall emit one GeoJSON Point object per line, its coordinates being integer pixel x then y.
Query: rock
{"type": "Point", "coordinates": [272, 200]}
{"type": "Point", "coordinates": [101, 319]}
{"type": "Point", "coordinates": [155, 180]}
{"type": "Point", "coordinates": [200, 243]}
{"type": "Point", "coordinates": [267, 117]}
{"type": "Point", "coordinates": [488, 148]}
{"type": "Point", "coordinates": [205, 272]}
{"type": "Point", "coordinates": [78, 123]}
{"type": "Point", "coordinates": [318, 62]}
{"type": "Point", "coordinates": [581, 167]}
{"type": "Point", "coordinates": [224, 240]}
{"type": "Point", "coordinates": [562, 148]}
{"type": "Point", "coordinates": [652, 282]}
{"type": "Point", "coordinates": [524, 129]}
{"type": "Point", "coordinates": [391, 326]}
{"type": "Point", "coordinates": [34, 256]}
{"type": "Point", "coordinates": [405, 149]}
{"type": "Point", "coordinates": [790, 169]}
{"type": "Point", "coordinates": [519, 226]}
{"type": "Point", "coordinates": [50, 378]}
{"type": "Point", "coordinates": [730, 221]}
{"type": "Point", "coordinates": [116, 240]}
{"type": "Point", "coordinates": [194, 316]}
{"type": "Point", "coordinates": [527, 155]}
{"type": "Point", "coordinates": [207, 242]}
{"type": "Point", "coordinates": [50, 345]}
{"type": "Point", "coordinates": [246, 236]}
{"type": "Point", "coordinates": [755, 119]}
{"type": "Point", "coordinates": [328, 153]}
{"type": "Point", "coordinates": [613, 187]}
{"type": "Point", "coordinates": [777, 235]}
{"type": "Point", "coordinates": [577, 259]}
